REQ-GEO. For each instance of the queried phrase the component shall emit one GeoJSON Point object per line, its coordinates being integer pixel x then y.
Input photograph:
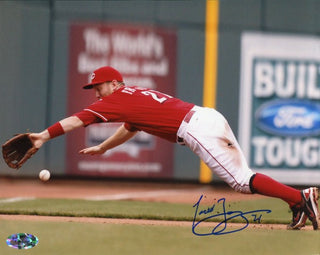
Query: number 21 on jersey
{"type": "Point", "coordinates": [159, 97]}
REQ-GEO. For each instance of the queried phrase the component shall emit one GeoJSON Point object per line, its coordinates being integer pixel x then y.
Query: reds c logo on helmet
{"type": "Point", "coordinates": [93, 75]}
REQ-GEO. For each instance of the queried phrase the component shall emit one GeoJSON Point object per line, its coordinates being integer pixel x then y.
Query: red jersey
{"type": "Point", "coordinates": [140, 109]}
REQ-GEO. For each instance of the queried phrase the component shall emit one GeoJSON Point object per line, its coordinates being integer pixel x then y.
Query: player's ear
{"type": "Point", "coordinates": [113, 82]}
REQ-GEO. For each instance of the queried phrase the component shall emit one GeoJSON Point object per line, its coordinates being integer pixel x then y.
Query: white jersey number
{"type": "Point", "coordinates": [159, 97]}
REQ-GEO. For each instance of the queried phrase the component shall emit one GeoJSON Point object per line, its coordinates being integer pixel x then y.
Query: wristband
{"type": "Point", "coordinates": [55, 130]}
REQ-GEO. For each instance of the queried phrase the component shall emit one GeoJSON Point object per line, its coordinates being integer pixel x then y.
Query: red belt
{"type": "Point", "coordinates": [186, 119]}
{"type": "Point", "coordinates": [188, 116]}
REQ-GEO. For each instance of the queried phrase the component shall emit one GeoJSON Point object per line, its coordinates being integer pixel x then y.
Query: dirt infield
{"type": "Point", "coordinates": [117, 190]}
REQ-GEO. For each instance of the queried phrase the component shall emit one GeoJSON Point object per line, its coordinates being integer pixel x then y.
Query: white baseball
{"type": "Point", "coordinates": [44, 175]}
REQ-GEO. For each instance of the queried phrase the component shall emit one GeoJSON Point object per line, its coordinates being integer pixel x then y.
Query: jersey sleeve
{"type": "Point", "coordinates": [130, 127]}
{"type": "Point", "coordinates": [87, 117]}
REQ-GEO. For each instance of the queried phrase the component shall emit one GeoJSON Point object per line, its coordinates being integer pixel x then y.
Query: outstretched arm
{"type": "Point", "coordinates": [120, 136]}
{"type": "Point", "coordinates": [17, 150]}
{"type": "Point", "coordinates": [63, 126]}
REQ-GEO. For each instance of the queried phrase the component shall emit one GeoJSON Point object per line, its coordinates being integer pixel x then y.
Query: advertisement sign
{"type": "Point", "coordinates": [279, 121]}
{"type": "Point", "coordinates": [146, 57]}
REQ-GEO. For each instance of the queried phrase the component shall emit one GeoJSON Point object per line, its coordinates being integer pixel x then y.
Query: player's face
{"type": "Point", "coordinates": [103, 89]}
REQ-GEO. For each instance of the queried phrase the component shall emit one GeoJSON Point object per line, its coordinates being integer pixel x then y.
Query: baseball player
{"type": "Point", "coordinates": [204, 130]}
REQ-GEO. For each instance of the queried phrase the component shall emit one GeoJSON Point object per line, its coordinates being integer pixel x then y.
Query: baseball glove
{"type": "Point", "coordinates": [18, 150]}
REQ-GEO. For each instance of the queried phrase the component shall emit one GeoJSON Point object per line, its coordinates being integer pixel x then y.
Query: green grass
{"type": "Point", "coordinates": [142, 210]}
{"type": "Point", "coordinates": [74, 238]}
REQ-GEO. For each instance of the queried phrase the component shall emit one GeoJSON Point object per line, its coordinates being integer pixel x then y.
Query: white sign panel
{"type": "Point", "coordinates": [279, 121]}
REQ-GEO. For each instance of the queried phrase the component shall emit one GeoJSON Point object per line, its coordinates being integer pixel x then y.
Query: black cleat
{"type": "Point", "coordinates": [310, 207]}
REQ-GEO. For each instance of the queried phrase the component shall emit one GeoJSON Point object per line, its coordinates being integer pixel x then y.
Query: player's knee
{"type": "Point", "coordinates": [243, 189]}
{"type": "Point", "coordinates": [243, 185]}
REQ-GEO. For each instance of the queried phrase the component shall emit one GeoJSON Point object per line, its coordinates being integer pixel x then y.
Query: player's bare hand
{"type": "Point", "coordinates": [38, 139]}
{"type": "Point", "coordinates": [94, 150]}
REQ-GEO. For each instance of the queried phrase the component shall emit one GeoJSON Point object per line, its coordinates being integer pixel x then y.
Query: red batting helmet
{"type": "Point", "coordinates": [103, 74]}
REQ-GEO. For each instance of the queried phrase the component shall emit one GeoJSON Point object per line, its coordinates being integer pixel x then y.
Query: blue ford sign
{"type": "Point", "coordinates": [289, 117]}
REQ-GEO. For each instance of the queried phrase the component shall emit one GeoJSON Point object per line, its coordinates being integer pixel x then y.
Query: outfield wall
{"type": "Point", "coordinates": [34, 49]}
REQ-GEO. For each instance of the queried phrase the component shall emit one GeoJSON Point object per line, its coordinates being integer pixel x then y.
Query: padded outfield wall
{"type": "Point", "coordinates": [34, 49]}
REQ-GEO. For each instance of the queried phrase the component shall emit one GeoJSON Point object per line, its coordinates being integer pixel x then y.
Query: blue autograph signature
{"type": "Point", "coordinates": [221, 227]}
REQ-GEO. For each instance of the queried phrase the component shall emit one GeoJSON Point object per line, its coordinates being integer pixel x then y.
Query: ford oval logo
{"type": "Point", "coordinates": [289, 117]}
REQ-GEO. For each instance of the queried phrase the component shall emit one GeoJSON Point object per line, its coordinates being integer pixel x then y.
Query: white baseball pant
{"type": "Point", "coordinates": [207, 133]}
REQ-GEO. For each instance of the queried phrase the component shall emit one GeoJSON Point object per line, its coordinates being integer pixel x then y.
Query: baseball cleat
{"type": "Point", "coordinates": [299, 218]}
{"type": "Point", "coordinates": [310, 207]}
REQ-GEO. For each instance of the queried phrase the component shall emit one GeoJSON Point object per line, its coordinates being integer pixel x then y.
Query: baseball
{"type": "Point", "coordinates": [44, 175]}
